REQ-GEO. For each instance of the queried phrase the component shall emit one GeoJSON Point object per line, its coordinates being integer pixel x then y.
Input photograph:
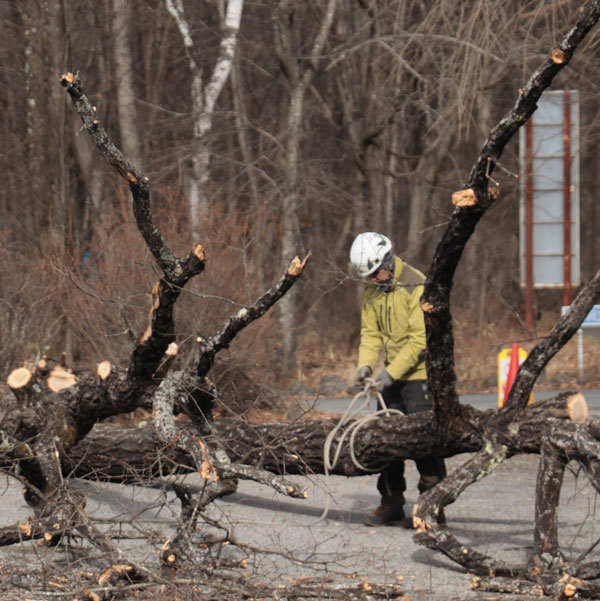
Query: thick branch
{"type": "Point", "coordinates": [548, 347]}
{"type": "Point", "coordinates": [138, 183]}
{"type": "Point", "coordinates": [160, 332]}
{"type": "Point", "coordinates": [212, 464]}
{"type": "Point", "coordinates": [156, 338]}
{"type": "Point", "coordinates": [549, 483]}
{"type": "Point", "coordinates": [297, 448]}
{"type": "Point", "coordinates": [447, 491]}
{"type": "Point", "coordinates": [436, 297]}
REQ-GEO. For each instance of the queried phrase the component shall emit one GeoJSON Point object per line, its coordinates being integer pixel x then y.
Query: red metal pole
{"type": "Point", "coordinates": [529, 223]}
{"type": "Point", "coordinates": [567, 196]}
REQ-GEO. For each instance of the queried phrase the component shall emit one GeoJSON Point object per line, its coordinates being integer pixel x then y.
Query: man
{"type": "Point", "coordinates": [392, 321]}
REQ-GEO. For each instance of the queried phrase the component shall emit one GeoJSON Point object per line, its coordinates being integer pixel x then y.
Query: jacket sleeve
{"type": "Point", "coordinates": [371, 339]}
{"type": "Point", "coordinates": [407, 358]}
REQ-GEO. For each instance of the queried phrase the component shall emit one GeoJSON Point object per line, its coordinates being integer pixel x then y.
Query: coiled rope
{"type": "Point", "coordinates": [366, 394]}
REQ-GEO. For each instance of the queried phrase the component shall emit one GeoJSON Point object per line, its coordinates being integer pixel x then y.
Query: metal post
{"type": "Point", "coordinates": [567, 197]}
{"type": "Point", "coordinates": [529, 223]}
{"type": "Point", "coordinates": [580, 355]}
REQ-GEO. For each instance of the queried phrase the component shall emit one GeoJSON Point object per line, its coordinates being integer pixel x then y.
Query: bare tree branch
{"type": "Point", "coordinates": [471, 205]}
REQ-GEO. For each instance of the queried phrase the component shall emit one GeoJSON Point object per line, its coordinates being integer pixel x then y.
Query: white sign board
{"type": "Point", "coordinates": [592, 319]}
{"type": "Point", "coordinates": [549, 173]}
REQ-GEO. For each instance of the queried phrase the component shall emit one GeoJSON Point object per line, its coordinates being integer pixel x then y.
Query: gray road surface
{"type": "Point", "coordinates": [494, 516]}
{"type": "Point", "coordinates": [479, 401]}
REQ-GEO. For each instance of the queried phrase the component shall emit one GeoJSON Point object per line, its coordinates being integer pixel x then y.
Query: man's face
{"type": "Point", "coordinates": [381, 275]}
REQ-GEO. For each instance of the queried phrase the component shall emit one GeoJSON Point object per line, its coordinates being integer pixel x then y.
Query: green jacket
{"type": "Point", "coordinates": [393, 322]}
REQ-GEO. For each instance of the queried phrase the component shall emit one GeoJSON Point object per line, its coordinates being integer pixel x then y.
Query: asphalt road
{"type": "Point", "coordinates": [479, 401]}
{"type": "Point", "coordinates": [489, 401]}
{"type": "Point", "coordinates": [494, 516]}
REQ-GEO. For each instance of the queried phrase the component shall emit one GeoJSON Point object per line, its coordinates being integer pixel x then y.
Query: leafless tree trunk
{"type": "Point", "coordinates": [130, 136]}
{"type": "Point", "coordinates": [299, 75]}
{"type": "Point", "coordinates": [242, 126]}
{"type": "Point", "coordinates": [204, 98]}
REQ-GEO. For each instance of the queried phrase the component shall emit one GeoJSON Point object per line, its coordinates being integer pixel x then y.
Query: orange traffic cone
{"type": "Point", "coordinates": [513, 368]}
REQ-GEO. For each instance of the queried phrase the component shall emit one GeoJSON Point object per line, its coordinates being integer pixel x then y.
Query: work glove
{"type": "Point", "coordinates": [383, 381]}
{"type": "Point", "coordinates": [361, 374]}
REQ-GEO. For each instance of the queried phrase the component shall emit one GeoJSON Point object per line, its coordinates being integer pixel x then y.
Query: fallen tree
{"type": "Point", "coordinates": [51, 418]}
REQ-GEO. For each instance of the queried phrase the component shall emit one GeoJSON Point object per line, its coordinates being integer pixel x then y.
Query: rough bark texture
{"type": "Point", "coordinates": [297, 448]}
{"type": "Point", "coordinates": [436, 298]}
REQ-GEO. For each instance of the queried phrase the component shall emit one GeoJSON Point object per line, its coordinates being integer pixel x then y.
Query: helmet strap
{"type": "Point", "coordinates": [387, 263]}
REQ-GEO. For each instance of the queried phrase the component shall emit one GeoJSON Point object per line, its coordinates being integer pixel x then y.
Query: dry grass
{"type": "Point", "coordinates": [51, 302]}
{"type": "Point", "coordinates": [476, 360]}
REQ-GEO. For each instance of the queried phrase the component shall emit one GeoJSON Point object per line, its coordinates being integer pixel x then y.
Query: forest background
{"type": "Point", "coordinates": [336, 117]}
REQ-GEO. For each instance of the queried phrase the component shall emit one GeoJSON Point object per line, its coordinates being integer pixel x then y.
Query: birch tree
{"type": "Point", "coordinates": [204, 97]}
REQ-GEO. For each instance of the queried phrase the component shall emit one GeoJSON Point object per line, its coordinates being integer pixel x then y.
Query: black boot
{"type": "Point", "coordinates": [389, 513]}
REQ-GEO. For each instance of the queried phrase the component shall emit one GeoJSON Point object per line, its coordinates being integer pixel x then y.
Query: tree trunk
{"type": "Point", "coordinates": [130, 137]}
{"type": "Point", "coordinates": [204, 99]}
{"type": "Point", "coordinates": [298, 79]}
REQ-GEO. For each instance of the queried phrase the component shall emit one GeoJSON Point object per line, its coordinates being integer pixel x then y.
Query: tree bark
{"type": "Point", "coordinates": [298, 448]}
{"type": "Point", "coordinates": [130, 136]}
{"type": "Point", "coordinates": [204, 98]}
{"type": "Point", "coordinates": [299, 75]}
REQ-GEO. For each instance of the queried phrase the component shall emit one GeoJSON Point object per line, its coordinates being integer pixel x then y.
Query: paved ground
{"type": "Point", "coordinates": [480, 401]}
{"type": "Point", "coordinates": [494, 516]}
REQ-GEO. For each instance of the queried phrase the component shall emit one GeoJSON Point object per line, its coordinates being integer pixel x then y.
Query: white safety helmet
{"type": "Point", "coordinates": [368, 251]}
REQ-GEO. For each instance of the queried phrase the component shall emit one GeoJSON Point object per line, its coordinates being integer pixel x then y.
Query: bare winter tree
{"type": "Point", "coordinates": [205, 96]}
{"type": "Point", "coordinates": [123, 61]}
{"type": "Point", "coordinates": [50, 415]}
{"type": "Point", "coordinates": [299, 75]}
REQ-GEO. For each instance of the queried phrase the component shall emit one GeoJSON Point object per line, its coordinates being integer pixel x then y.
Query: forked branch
{"type": "Point", "coordinates": [436, 297]}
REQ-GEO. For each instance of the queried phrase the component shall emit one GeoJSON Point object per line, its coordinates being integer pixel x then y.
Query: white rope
{"type": "Point", "coordinates": [351, 412]}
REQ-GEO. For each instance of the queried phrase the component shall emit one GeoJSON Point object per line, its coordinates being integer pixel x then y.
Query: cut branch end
{"type": "Point", "coordinates": [103, 370]}
{"type": "Point", "coordinates": [558, 56]}
{"type": "Point", "coordinates": [297, 266]}
{"type": "Point", "coordinates": [577, 408]}
{"type": "Point", "coordinates": [60, 379]}
{"type": "Point", "coordinates": [67, 78]}
{"type": "Point", "coordinates": [19, 378]}
{"type": "Point", "coordinates": [25, 529]}
{"type": "Point", "coordinates": [113, 571]}
{"type": "Point", "coordinates": [427, 307]}
{"type": "Point", "coordinates": [464, 198]}
{"type": "Point", "coordinates": [172, 349]}
{"type": "Point", "coordinates": [198, 250]}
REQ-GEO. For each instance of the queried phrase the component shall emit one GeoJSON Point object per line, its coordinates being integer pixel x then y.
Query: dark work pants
{"type": "Point", "coordinates": [409, 396]}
